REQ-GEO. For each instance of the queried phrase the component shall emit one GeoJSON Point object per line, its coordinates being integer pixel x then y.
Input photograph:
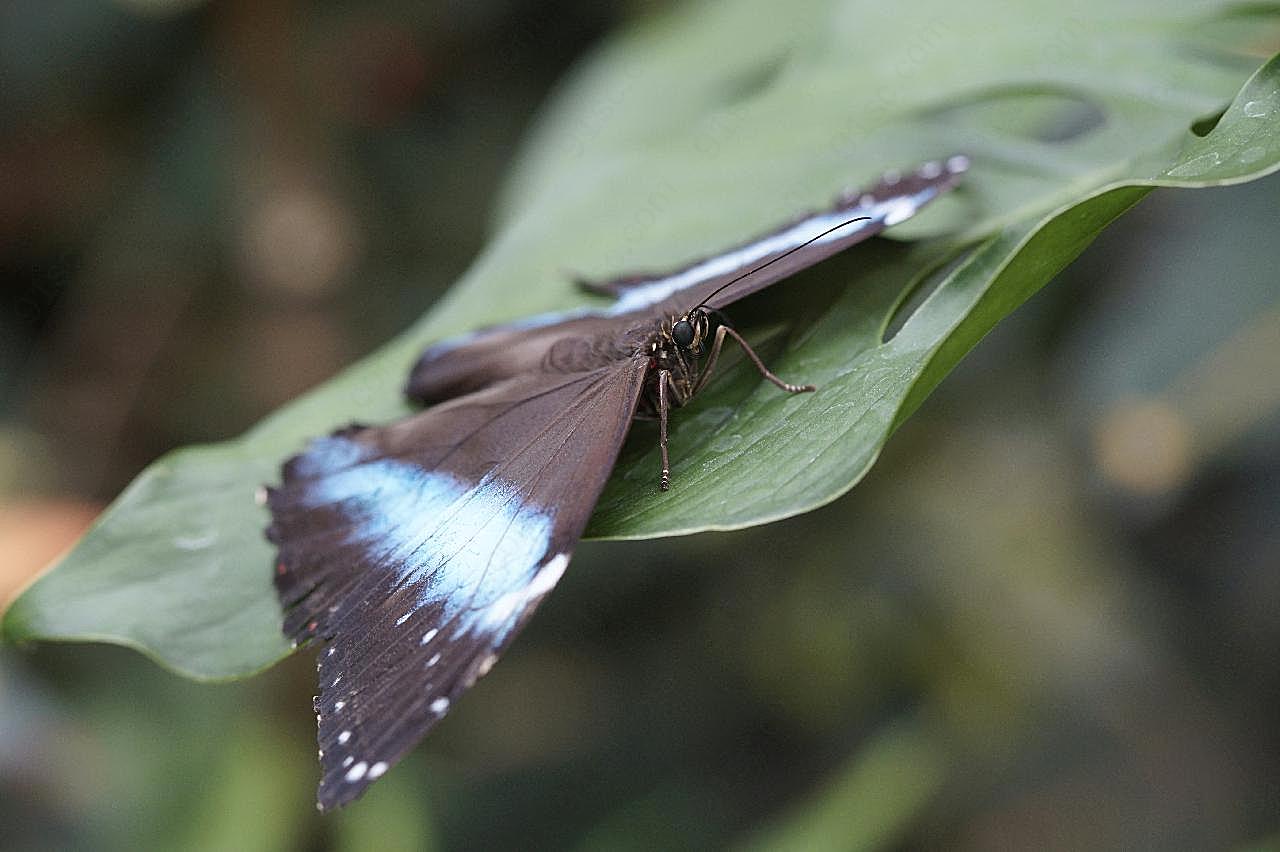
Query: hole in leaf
{"type": "Point", "coordinates": [1071, 119]}
{"type": "Point", "coordinates": [1041, 115]}
{"type": "Point", "coordinates": [1204, 126]}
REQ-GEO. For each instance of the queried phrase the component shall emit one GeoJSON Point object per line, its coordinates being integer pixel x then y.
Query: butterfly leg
{"type": "Point", "coordinates": [705, 374]}
{"type": "Point", "coordinates": [724, 330]}
{"type": "Point", "coordinates": [664, 381]}
{"type": "Point", "coordinates": [765, 371]}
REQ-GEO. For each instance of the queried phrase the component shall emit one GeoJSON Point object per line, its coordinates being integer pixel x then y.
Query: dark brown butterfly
{"type": "Point", "coordinates": [414, 552]}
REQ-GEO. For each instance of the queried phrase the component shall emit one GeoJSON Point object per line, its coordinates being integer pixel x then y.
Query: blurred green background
{"type": "Point", "coordinates": [1047, 619]}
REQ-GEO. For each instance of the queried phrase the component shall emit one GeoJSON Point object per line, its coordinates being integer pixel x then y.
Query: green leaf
{"type": "Point", "coordinates": [691, 132]}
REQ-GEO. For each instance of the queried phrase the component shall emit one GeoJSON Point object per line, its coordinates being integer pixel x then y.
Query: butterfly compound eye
{"type": "Point", "coordinates": [682, 333]}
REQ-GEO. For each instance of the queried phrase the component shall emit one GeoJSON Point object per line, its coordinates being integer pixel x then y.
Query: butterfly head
{"type": "Point", "coordinates": [689, 331]}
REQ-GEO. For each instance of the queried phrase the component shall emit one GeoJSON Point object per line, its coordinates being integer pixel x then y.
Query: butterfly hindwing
{"type": "Point", "coordinates": [562, 341]}
{"type": "Point", "coordinates": [414, 552]}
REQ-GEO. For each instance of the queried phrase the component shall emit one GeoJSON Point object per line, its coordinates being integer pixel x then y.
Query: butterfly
{"type": "Point", "coordinates": [412, 553]}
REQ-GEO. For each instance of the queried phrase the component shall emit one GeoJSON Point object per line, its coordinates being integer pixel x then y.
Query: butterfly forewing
{"type": "Point", "coordinates": [416, 551]}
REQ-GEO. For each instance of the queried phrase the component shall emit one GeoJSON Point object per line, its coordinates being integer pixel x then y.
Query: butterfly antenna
{"type": "Point", "coordinates": [790, 251]}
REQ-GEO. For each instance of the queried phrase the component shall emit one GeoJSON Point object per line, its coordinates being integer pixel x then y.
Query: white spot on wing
{"type": "Point", "coordinates": [338, 705]}
{"type": "Point", "coordinates": [931, 170]}
{"type": "Point", "coordinates": [958, 163]}
{"type": "Point", "coordinates": [402, 619]}
{"type": "Point", "coordinates": [347, 761]}
{"type": "Point", "coordinates": [429, 635]}
{"type": "Point", "coordinates": [377, 769]}
{"type": "Point", "coordinates": [357, 772]}
{"type": "Point", "coordinates": [343, 737]}
{"type": "Point", "coordinates": [548, 576]}
{"type": "Point", "coordinates": [898, 209]}
{"type": "Point", "coordinates": [439, 706]}
{"type": "Point", "coordinates": [435, 658]}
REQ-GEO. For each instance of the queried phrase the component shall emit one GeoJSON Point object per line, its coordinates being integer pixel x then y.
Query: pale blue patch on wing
{"type": "Point", "coordinates": [325, 455]}
{"type": "Point", "coordinates": [468, 546]}
{"type": "Point", "coordinates": [897, 208]}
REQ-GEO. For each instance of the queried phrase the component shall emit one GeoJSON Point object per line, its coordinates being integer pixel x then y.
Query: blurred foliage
{"type": "Point", "coordinates": [1009, 636]}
